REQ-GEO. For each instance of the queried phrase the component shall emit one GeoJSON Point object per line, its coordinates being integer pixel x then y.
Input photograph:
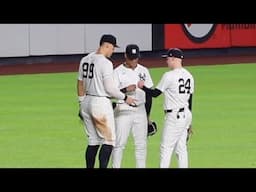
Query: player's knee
{"type": "Point", "coordinates": [181, 149]}
{"type": "Point", "coordinates": [120, 146]}
{"type": "Point", "coordinates": [141, 145]}
{"type": "Point", "coordinates": [94, 142]}
{"type": "Point", "coordinates": [107, 142]}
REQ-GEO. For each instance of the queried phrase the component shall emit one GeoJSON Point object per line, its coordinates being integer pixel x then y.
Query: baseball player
{"type": "Point", "coordinates": [95, 86]}
{"type": "Point", "coordinates": [131, 118]}
{"type": "Point", "coordinates": [178, 87]}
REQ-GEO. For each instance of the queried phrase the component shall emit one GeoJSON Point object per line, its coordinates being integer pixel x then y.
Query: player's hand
{"type": "Point", "coordinates": [141, 84]}
{"type": "Point", "coordinates": [81, 99]}
{"type": "Point", "coordinates": [190, 132]}
{"type": "Point", "coordinates": [80, 115]}
{"type": "Point", "coordinates": [131, 88]}
{"type": "Point", "coordinates": [130, 101]}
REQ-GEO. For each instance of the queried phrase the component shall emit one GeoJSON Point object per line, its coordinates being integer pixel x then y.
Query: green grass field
{"type": "Point", "coordinates": [39, 127]}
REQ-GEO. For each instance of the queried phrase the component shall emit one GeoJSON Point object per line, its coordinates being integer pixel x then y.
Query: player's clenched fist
{"type": "Point", "coordinates": [141, 84]}
{"type": "Point", "coordinates": [130, 100]}
{"type": "Point", "coordinates": [131, 88]}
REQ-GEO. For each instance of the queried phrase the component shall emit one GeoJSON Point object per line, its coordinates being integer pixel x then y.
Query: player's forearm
{"type": "Point", "coordinates": [112, 90]}
{"type": "Point", "coordinates": [148, 103]}
{"type": "Point", "coordinates": [190, 102]}
{"type": "Point", "coordinates": [80, 88]}
{"type": "Point", "coordinates": [152, 92]}
{"type": "Point", "coordinates": [130, 88]}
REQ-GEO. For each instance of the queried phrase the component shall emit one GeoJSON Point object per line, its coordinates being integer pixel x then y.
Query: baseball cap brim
{"type": "Point", "coordinates": [133, 56]}
{"type": "Point", "coordinates": [173, 53]}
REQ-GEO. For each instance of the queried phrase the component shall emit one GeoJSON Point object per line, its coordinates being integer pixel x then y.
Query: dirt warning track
{"type": "Point", "coordinates": [72, 66]}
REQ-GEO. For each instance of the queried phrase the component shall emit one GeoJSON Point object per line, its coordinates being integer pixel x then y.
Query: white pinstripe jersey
{"type": "Point", "coordinates": [177, 85]}
{"type": "Point", "coordinates": [124, 77]}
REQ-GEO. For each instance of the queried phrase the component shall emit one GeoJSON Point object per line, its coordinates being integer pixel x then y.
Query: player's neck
{"type": "Point", "coordinates": [101, 51]}
{"type": "Point", "coordinates": [177, 66]}
{"type": "Point", "coordinates": [130, 67]}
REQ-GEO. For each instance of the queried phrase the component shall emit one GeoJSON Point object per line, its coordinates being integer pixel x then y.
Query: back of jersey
{"type": "Point", "coordinates": [177, 85]}
{"type": "Point", "coordinates": [93, 69]}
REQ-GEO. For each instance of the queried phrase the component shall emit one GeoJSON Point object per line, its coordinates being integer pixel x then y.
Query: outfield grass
{"type": "Point", "coordinates": [39, 126]}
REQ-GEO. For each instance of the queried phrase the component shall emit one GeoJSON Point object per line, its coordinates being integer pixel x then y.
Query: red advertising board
{"type": "Point", "coordinates": [242, 35]}
{"type": "Point", "coordinates": [193, 36]}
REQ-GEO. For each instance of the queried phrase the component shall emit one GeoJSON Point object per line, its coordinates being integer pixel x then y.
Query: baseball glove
{"type": "Point", "coordinates": [152, 128]}
{"type": "Point", "coordinates": [80, 115]}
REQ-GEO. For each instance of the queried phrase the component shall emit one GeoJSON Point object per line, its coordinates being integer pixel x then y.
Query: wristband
{"type": "Point", "coordinates": [123, 90]}
{"type": "Point", "coordinates": [81, 98]}
{"type": "Point", "coordinates": [125, 97]}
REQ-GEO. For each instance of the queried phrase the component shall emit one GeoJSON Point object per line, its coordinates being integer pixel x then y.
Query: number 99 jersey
{"type": "Point", "coordinates": [93, 69]}
{"type": "Point", "coordinates": [177, 85]}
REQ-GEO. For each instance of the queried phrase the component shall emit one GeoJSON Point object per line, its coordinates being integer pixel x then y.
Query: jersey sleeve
{"type": "Point", "coordinates": [80, 72]}
{"type": "Point", "coordinates": [107, 71]}
{"type": "Point", "coordinates": [112, 90]}
{"type": "Point", "coordinates": [116, 78]}
{"type": "Point", "coordinates": [163, 84]}
{"type": "Point", "coordinates": [192, 85]}
{"type": "Point", "coordinates": [148, 82]}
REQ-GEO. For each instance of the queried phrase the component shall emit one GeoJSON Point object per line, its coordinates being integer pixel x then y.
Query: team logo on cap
{"type": "Point", "coordinates": [199, 33]}
{"type": "Point", "coordinates": [134, 51]}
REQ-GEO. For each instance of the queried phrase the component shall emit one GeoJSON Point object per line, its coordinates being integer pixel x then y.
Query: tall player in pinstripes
{"type": "Point", "coordinates": [178, 87]}
{"type": "Point", "coordinates": [95, 86]}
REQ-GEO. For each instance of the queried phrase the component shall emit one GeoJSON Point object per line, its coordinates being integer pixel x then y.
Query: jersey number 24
{"type": "Point", "coordinates": [184, 86]}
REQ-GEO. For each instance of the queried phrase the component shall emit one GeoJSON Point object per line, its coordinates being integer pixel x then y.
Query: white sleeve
{"type": "Point", "coordinates": [192, 85]}
{"type": "Point", "coordinates": [107, 71]}
{"type": "Point", "coordinates": [163, 84]}
{"type": "Point", "coordinates": [112, 89]}
{"type": "Point", "coordinates": [148, 83]}
{"type": "Point", "coordinates": [116, 79]}
{"type": "Point", "coordinates": [80, 72]}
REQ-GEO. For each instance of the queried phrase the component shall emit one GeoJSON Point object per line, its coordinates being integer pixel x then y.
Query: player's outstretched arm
{"type": "Point", "coordinates": [152, 92]}
{"type": "Point", "coordinates": [129, 88]}
{"type": "Point", "coordinates": [113, 91]}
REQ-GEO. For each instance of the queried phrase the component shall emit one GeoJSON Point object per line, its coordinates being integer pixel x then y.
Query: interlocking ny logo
{"type": "Point", "coordinates": [142, 76]}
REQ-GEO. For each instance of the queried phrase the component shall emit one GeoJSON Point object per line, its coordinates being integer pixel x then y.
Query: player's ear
{"type": "Point", "coordinates": [125, 56]}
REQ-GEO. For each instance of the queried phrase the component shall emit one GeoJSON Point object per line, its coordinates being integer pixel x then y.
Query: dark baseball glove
{"type": "Point", "coordinates": [80, 115]}
{"type": "Point", "coordinates": [152, 128]}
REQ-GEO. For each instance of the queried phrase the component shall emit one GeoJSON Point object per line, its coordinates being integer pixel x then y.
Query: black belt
{"type": "Point", "coordinates": [129, 105]}
{"type": "Point", "coordinates": [98, 96]}
{"type": "Point", "coordinates": [171, 110]}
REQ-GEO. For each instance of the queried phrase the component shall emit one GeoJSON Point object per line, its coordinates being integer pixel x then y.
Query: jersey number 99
{"type": "Point", "coordinates": [88, 70]}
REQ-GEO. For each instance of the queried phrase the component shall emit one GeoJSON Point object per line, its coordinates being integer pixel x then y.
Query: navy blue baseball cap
{"type": "Point", "coordinates": [108, 38]}
{"type": "Point", "coordinates": [174, 52]}
{"type": "Point", "coordinates": [132, 51]}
